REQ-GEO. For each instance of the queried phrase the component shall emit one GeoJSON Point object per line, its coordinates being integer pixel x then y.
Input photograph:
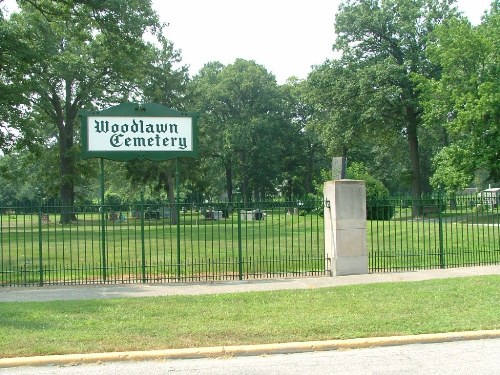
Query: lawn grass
{"type": "Point", "coordinates": [61, 327]}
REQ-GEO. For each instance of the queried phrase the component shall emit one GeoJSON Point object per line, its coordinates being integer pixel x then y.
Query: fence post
{"type": "Point", "coordinates": [178, 215]}
{"type": "Point", "coordinates": [345, 227]}
{"type": "Point", "coordinates": [40, 252]}
{"type": "Point", "coordinates": [441, 245]}
{"type": "Point", "coordinates": [240, 249]}
{"type": "Point", "coordinates": [143, 241]}
{"type": "Point", "coordinates": [103, 224]}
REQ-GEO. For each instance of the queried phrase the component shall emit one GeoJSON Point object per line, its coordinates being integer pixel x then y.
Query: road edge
{"type": "Point", "coordinates": [246, 350]}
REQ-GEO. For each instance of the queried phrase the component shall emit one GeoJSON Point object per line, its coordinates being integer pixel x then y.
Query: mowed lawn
{"type": "Point", "coordinates": [60, 327]}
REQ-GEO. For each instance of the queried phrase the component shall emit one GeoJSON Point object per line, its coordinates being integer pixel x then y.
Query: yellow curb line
{"type": "Point", "coordinates": [246, 350]}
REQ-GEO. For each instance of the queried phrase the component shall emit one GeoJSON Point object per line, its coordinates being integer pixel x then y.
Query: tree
{"type": "Point", "coordinates": [241, 125]}
{"type": "Point", "coordinates": [15, 58]}
{"type": "Point", "coordinates": [80, 65]}
{"type": "Point", "coordinates": [305, 156]}
{"type": "Point", "coordinates": [16, 53]}
{"type": "Point", "coordinates": [13, 182]}
{"type": "Point", "coordinates": [333, 90]}
{"type": "Point", "coordinates": [19, 171]}
{"type": "Point", "coordinates": [389, 39]}
{"type": "Point", "coordinates": [351, 98]}
{"type": "Point", "coordinates": [466, 99]}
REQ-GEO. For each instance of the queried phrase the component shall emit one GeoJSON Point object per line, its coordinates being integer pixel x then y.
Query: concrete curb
{"type": "Point", "coordinates": [246, 350]}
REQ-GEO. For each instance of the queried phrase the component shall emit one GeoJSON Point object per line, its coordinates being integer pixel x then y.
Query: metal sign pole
{"type": "Point", "coordinates": [178, 214]}
{"type": "Point", "coordinates": [103, 224]}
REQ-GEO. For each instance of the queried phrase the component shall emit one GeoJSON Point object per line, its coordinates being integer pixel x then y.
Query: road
{"type": "Point", "coordinates": [479, 357]}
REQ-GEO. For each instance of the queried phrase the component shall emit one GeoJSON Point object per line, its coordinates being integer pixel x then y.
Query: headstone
{"type": "Point", "coordinates": [165, 212]}
{"type": "Point", "coordinates": [217, 215]}
{"type": "Point", "coordinates": [247, 215]}
{"type": "Point", "coordinates": [258, 215]}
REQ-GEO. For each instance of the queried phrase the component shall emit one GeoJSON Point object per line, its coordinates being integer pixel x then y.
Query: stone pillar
{"type": "Point", "coordinates": [345, 227]}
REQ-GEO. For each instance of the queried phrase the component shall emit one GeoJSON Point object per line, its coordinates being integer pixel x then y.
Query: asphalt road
{"type": "Point", "coordinates": [478, 357]}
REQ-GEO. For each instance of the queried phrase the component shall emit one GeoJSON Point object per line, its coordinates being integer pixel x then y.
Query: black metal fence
{"type": "Point", "coordinates": [226, 241]}
{"type": "Point", "coordinates": [448, 231]}
{"type": "Point", "coordinates": [161, 243]}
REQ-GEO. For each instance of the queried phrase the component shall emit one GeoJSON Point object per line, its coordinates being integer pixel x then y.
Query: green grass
{"type": "Point", "coordinates": [43, 328]}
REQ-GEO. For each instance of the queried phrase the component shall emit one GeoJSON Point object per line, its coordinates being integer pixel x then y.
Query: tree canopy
{"type": "Point", "coordinates": [390, 38]}
{"type": "Point", "coordinates": [413, 97]}
{"type": "Point", "coordinates": [84, 56]}
{"type": "Point", "coordinates": [242, 125]}
{"type": "Point", "coordinates": [465, 99]}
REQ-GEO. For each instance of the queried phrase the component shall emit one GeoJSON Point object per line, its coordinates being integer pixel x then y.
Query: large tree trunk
{"type": "Point", "coordinates": [64, 116]}
{"type": "Point", "coordinates": [170, 187]}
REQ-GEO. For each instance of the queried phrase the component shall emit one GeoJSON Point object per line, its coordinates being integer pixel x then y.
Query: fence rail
{"type": "Point", "coordinates": [226, 241]}
{"type": "Point", "coordinates": [158, 243]}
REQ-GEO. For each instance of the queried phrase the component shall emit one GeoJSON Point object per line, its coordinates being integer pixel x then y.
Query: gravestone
{"type": "Point", "coordinates": [165, 212]}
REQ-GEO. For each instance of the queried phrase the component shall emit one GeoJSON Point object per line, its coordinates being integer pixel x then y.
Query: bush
{"type": "Point", "coordinates": [114, 201]}
{"type": "Point", "coordinates": [380, 209]}
{"type": "Point", "coordinates": [379, 206]}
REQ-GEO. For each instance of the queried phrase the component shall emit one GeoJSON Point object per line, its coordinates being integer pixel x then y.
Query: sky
{"type": "Point", "coordinates": [286, 37]}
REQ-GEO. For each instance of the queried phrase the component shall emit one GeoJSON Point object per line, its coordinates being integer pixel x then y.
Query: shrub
{"type": "Point", "coordinates": [378, 203]}
{"type": "Point", "coordinates": [113, 201]}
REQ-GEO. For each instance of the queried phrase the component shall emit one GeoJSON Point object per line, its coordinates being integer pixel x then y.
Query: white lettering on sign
{"type": "Point", "coordinates": [139, 133]}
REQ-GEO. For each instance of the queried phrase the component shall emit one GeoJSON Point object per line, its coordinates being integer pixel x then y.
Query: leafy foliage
{"type": "Point", "coordinates": [378, 204]}
{"type": "Point", "coordinates": [414, 96]}
{"type": "Point", "coordinates": [84, 56]}
{"type": "Point", "coordinates": [244, 132]}
{"type": "Point", "coordinates": [465, 98]}
{"type": "Point", "coordinates": [382, 44]}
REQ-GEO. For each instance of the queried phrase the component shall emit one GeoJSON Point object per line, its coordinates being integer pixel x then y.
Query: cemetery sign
{"type": "Point", "coordinates": [132, 131]}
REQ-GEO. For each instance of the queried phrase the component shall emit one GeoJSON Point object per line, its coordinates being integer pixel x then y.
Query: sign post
{"type": "Point", "coordinates": [131, 131]}
{"type": "Point", "coordinates": [103, 224]}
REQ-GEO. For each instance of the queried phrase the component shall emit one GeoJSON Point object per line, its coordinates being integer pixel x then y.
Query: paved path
{"type": "Point", "coordinates": [82, 292]}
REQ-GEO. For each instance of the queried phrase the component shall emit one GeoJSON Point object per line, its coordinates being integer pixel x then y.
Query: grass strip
{"type": "Point", "coordinates": [62, 327]}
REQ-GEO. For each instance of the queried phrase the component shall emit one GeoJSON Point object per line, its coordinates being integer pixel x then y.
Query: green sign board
{"type": "Point", "coordinates": [133, 131]}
